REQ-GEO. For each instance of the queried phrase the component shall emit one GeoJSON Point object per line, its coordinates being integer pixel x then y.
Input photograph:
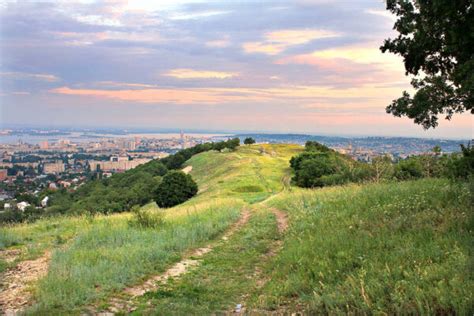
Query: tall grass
{"type": "Point", "coordinates": [8, 239]}
{"type": "Point", "coordinates": [392, 248]}
{"type": "Point", "coordinates": [111, 255]}
{"type": "Point", "coordinates": [35, 238]}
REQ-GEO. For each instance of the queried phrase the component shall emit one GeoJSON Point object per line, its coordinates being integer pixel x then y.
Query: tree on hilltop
{"type": "Point", "coordinates": [437, 44]}
{"type": "Point", "coordinates": [249, 141]}
{"type": "Point", "coordinates": [175, 188]}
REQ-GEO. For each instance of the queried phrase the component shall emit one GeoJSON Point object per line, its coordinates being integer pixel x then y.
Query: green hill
{"type": "Point", "coordinates": [397, 247]}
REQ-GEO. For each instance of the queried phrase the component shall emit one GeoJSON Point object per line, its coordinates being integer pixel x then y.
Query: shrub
{"type": "Point", "coordinates": [175, 188]}
{"type": "Point", "coordinates": [462, 166]}
{"type": "Point", "coordinates": [145, 218]}
{"type": "Point", "coordinates": [249, 141]}
{"type": "Point", "coordinates": [315, 146]}
{"type": "Point", "coordinates": [409, 168]}
{"type": "Point", "coordinates": [311, 170]}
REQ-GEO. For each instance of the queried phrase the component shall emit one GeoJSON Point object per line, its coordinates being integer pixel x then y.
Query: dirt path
{"type": "Point", "coordinates": [14, 295]}
{"type": "Point", "coordinates": [282, 220]}
{"type": "Point", "coordinates": [190, 260]}
{"type": "Point", "coordinates": [10, 255]}
{"type": "Point", "coordinates": [187, 169]}
{"type": "Point", "coordinates": [277, 245]}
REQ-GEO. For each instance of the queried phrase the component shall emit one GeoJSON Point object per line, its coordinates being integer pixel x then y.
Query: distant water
{"type": "Point", "coordinates": [80, 137]}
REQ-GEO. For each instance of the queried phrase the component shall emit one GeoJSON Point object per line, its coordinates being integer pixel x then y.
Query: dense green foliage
{"type": "Point", "coordinates": [175, 188]}
{"type": "Point", "coordinates": [463, 166]}
{"type": "Point", "coordinates": [435, 38]}
{"type": "Point", "coordinates": [249, 141]}
{"type": "Point", "coordinates": [320, 166]}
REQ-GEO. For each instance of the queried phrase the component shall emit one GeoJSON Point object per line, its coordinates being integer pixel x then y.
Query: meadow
{"type": "Point", "coordinates": [394, 247]}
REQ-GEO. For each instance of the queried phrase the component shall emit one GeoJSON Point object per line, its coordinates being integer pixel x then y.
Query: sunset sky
{"type": "Point", "coordinates": [302, 66]}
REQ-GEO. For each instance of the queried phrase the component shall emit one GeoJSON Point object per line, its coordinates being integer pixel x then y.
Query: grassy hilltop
{"type": "Point", "coordinates": [401, 247]}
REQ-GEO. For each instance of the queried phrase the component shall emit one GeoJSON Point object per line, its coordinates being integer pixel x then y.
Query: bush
{"type": "Point", "coordinates": [462, 166]}
{"type": "Point", "coordinates": [249, 141]}
{"type": "Point", "coordinates": [408, 169]}
{"type": "Point", "coordinates": [320, 166]}
{"type": "Point", "coordinates": [146, 218]}
{"type": "Point", "coordinates": [175, 188]}
{"type": "Point", "coordinates": [315, 146]}
{"type": "Point", "coordinates": [311, 170]}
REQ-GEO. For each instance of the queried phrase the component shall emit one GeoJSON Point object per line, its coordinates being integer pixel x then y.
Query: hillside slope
{"type": "Point", "coordinates": [390, 248]}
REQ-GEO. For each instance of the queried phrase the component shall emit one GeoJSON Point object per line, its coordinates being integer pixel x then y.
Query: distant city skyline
{"type": "Point", "coordinates": [303, 66]}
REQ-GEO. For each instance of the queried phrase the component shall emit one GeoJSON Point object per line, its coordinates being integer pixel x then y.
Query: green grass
{"type": "Point", "coordinates": [223, 276]}
{"type": "Point", "coordinates": [252, 173]}
{"type": "Point", "coordinates": [33, 239]}
{"type": "Point", "coordinates": [112, 254]}
{"type": "Point", "coordinates": [392, 248]}
{"type": "Point", "coordinates": [8, 239]}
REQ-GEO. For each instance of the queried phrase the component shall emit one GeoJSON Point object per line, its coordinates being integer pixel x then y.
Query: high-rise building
{"type": "Point", "coordinates": [53, 167]}
{"type": "Point", "coordinates": [3, 174]}
{"type": "Point", "coordinates": [44, 145]}
{"type": "Point", "coordinates": [182, 141]}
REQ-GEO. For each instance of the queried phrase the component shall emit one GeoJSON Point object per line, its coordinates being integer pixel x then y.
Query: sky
{"type": "Point", "coordinates": [300, 66]}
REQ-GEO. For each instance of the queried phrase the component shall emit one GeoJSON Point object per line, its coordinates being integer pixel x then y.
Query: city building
{"type": "Point", "coordinates": [117, 165]}
{"type": "Point", "coordinates": [3, 174]}
{"type": "Point", "coordinates": [44, 202]}
{"type": "Point", "coordinates": [53, 167]}
{"type": "Point", "coordinates": [44, 145]}
{"type": "Point", "coordinates": [22, 206]}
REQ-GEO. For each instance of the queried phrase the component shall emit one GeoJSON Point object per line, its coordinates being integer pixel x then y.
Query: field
{"type": "Point", "coordinates": [387, 248]}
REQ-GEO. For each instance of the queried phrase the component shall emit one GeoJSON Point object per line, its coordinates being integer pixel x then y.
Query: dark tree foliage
{"type": "Point", "coordinates": [175, 161]}
{"type": "Point", "coordinates": [249, 141]}
{"type": "Point", "coordinates": [315, 146]}
{"type": "Point", "coordinates": [310, 171]}
{"type": "Point", "coordinates": [176, 188]}
{"type": "Point", "coordinates": [436, 41]}
{"type": "Point", "coordinates": [154, 167]}
{"type": "Point", "coordinates": [408, 169]}
{"type": "Point", "coordinates": [320, 166]}
{"type": "Point", "coordinates": [463, 167]}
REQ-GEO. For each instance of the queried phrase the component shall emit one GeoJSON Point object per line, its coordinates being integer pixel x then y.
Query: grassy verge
{"type": "Point", "coordinates": [112, 254]}
{"type": "Point", "coordinates": [392, 248]}
{"type": "Point", "coordinates": [34, 238]}
{"type": "Point", "coordinates": [225, 274]}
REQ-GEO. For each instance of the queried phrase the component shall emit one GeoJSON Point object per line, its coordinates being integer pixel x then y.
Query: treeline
{"type": "Point", "coordinates": [320, 166]}
{"type": "Point", "coordinates": [158, 180]}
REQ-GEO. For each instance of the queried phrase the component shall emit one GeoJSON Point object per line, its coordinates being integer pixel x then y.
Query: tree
{"type": "Point", "coordinates": [174, 161]}
{"type": "Point", "coordinates": [409, 168]}
{"type": "Point", "coordinates": [233, 143]}
{"type": "Point", "coordinates": [383, 168]}
{"type": "Point", "coordinates": [249, 141]}
{"type": "Point", "coordinates": [435, 39]}
{"type": "Point", "coordinates": [311, 170]}
{"type": "Point", "coordinates": [175, 188]}
{"type": "Point", "coordinates": [462, 167]}
{"type": "Point", "coordinates": [315, 146]}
